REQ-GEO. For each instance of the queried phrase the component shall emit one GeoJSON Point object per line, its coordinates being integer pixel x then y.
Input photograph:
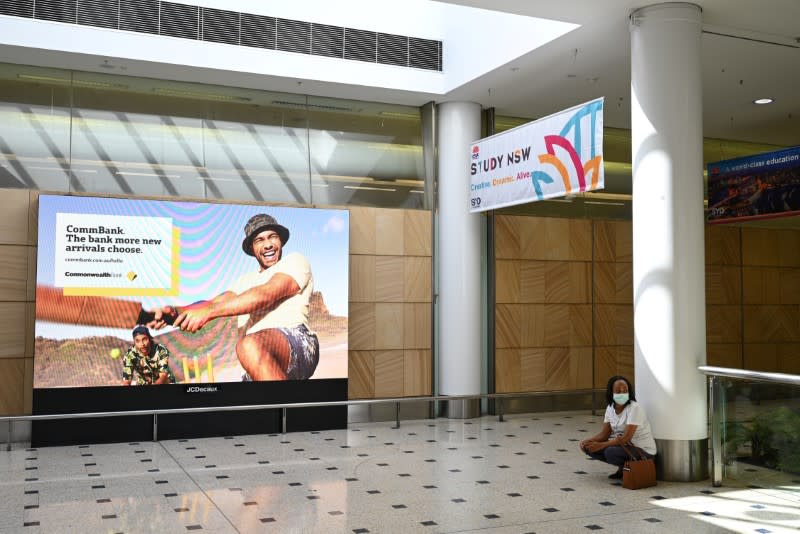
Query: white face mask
{"type": "Point", "coordinates": [621, 398]}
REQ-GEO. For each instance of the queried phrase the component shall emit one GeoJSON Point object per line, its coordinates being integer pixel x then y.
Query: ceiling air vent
{"type": "Point", "coordinates": [17, 8]}
{"type": "Point", "coordinates": [184, 21]}
{"type": "Point", "coordinates": [327, 40]}
{"type": "Point", "coordinates": [424, 54]}
{"type": "Point", "coordinates": [294, 36]}
{"type": "Point", "coordinates": [220, 26]}
{"type": "Point", "coordinates": [99, 13]}
{"type": "Point", "coordinates": [360, 45]}
{"type": "Point", "coordinates": [140, 16]}
{"type": "Point", "coordinates": [393, 49]}
{"type": "Point", "coordinates": [55, 10]}
{"type": "Point", "coordinates": [179, 20]}
{"type": "Point", "coordinates": [257, 31]}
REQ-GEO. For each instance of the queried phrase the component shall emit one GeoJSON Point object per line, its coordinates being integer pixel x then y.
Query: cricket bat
{"type": "Point", "coordinates": [52, 305]}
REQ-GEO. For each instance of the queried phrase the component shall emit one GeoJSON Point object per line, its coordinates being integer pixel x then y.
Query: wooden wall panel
{"type": "Point", "coordinates": [771, 324]}
{"type": "Point", "coordinates": [28, 387]}
{"type": "Point", "coordinates": [418, 232]}
{"type": "Point", "coordinates": [532, 369]}
{"type": "Point", "coordinates": [532, 281]}
{"type": "Point", "coordinates": [760, 246]}
{"type": "Point", "coordinates": [508, 325]}
{"type": "Point", "coordinates": [13, 330]}
{"type": "Point", "coordinates": [557, 327]}
{"type": "Point", "coordinates": [389, 373]}
{"type": "Point", "coordinates": [723, 324]}
{"type": "Point", "coordinates": [761, 357]}
{"type": "Point", "coordinates": [362, 278]}
{"type": "Point", "coordinates": [605, 365]}
{"type": "Point", "coordinates": [557, 282]}
{"type": "Point", "coordinates": [752, 299]}
{"type": "Point", "coordinates": [532, 236]}
{"type": "Point", "coordinates": [30, 328]}
{"type": "Point", "coordinates": [722, 245]}
{"type": "Point", "coordinates": [390, 302]}
{"type": "Point", "coordinates": [389, 278]}
{"type": "Point", "coordinates": [790, 286]}
{"type": "Point", "coordinates": [789, 358]}
{"type": "Point", "coordinates": [605, 243]}
{"type": "Point", "coordinates": [724, 355]}
{"type": "Point", "coordinates": [361, 326]}
{"type": "Point", "coordinates": [625, 361]}
{"type": "Point", "coordinates": [788, 248]}
{"type": "Point", "coordinates": [580, 325]}
{"type": "Point", "coordinates": [389, 232]}
{"type": "Point", "coordinates": [361, 375]}
{"type": "Point", "coordinates": [723, 284]}
{"type": "Point", "coordinates": [389, 327]}
{"type": "Point", "coordinates": [556, 239]}
{"type": "Point", "coordinates": [761, 285]}
{"type": "Point", "coordinates": [624, 283]}
{"type": "Point", "coordinates": [14, 272]}
{"type": "Point", "coordinates": [605, 282]}
{"type": "Point", "coordinates": [506, 237]}
{"type": "Point", "coordinates": [16, 219]}
{"type": "Point", "coordinates": [417, 372]}
{"type": "Point", "coordinates": [417, 279]}
{"type": "Point", "coordinates": [580, 361]}
{"type": "Point", "coordinates": [362, 230]}
{"type": "Point", "coordinates": [623, 235]}
{"type": "Point", "coordinates": [580, 240]}
{"type": "Point", "coordinates": [507, 281]}
{"type": "Point", "coordinates": [417, 325]}
{"type": "Point", "coordinates": [12, 386]}
{"type": "Point", "coordinates": [508, 370]}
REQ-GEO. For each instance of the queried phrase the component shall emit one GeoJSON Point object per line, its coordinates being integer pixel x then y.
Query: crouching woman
{"type": "Point", "coordinates": [625, 423]}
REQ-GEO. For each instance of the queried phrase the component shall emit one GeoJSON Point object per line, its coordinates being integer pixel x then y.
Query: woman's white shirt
{"type": "Point", "coordinates": [633, 414]}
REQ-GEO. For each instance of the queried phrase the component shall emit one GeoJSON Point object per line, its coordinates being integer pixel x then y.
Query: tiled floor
{"type": "Point", "coordinates": [518, 476]}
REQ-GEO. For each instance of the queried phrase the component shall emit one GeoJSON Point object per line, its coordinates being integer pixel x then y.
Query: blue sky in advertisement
{"type": "Point", "coordinates": [211, 256]}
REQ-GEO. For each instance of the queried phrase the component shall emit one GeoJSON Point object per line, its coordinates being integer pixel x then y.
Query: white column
{"type": "Point", "coordinates": [459, 256]}
{"type": "Point", "coordinates": [668, 233]}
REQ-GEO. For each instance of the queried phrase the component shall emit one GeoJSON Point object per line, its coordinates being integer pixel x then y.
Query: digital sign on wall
{"type": "Point", "coordinates": [763, 186]}
{"type": "Point", "coordinates": [145, 292]}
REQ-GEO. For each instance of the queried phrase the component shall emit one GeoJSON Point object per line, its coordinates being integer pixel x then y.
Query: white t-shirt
{"type": "Point", "coordinates": [633, 414]}
{"type": "Point", "coordinates": [292, 311]}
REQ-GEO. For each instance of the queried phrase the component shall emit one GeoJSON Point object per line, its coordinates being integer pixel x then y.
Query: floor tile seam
{"type": "Point", "coordinates": [202, 490]}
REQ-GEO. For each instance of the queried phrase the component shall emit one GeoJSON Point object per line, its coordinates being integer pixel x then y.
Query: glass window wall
{"type": "Point", "coordinates": [103, 133]}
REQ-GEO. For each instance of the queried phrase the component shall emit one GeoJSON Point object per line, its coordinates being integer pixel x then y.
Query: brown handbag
{"type": "Point", "coordinates": [638, 471]}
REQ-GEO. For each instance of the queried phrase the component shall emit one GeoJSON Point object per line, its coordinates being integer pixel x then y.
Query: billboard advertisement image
{"type": "Point", "coordinates": [764, 186]}
{"type": "Point", "coordinates": [147, 292]}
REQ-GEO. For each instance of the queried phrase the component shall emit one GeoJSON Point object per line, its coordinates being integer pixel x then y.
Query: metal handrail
{"type": "Point", "coordinates": [10, 419]}
{"type": "Point", "coordinates": [716, 407]}
{"type": "Point", "coordinates": [743, 374]}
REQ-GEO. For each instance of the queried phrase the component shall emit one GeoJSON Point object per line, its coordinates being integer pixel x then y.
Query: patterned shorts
{"type": "Point", "coordinates": [304, 355]}
{"type": "Point", "coordinates": [305, 352]}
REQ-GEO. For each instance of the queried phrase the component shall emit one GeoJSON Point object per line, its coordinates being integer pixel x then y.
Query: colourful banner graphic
{"type": "Point", "coordinates": [146, 292]}
{"type": "Point", "coordinates": [756, 187]}
{"type": "Point", "coordinates": [555, 156]}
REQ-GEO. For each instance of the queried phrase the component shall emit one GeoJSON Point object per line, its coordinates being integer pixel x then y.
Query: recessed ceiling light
{"type": "Point", "coordinates": [763, 101]}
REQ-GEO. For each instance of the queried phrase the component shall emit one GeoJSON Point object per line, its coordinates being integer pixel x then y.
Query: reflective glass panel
{"type": "Point", "coordinates": [34, 127]}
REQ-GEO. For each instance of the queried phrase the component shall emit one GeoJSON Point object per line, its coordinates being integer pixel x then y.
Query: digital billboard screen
{"type": "Point", "coordinates": [150, 292]}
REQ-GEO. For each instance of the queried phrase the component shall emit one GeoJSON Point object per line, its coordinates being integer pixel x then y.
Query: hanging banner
{"type": "Point", "coordinates": [555, 156]}
{"type": "Point", "coordinates": [756, 187]}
